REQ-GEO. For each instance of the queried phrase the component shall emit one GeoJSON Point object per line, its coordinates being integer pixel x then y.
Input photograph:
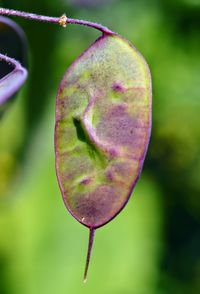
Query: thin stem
{"type": "Point", "coordinates": [91, 239]}
{"type": "Point", "coordinates": [30, 16]}
{"type": "Point", "coordinates": [94, 25]}
{"type": "Point", "coordinates": [63, 20]}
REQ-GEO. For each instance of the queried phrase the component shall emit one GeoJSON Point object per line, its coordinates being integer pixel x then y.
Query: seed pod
{"type": "Point", "coordinates": [103, 123]}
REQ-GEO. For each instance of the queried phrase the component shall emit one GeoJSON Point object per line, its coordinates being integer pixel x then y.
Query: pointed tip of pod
{"type": "Point", "coordinates": [85, 281]}
{"type": "Point", "coordinates": [90, 244]}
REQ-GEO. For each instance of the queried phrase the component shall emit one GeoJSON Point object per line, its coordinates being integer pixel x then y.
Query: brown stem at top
{"type": "Point", "coordinates": [63, 20]}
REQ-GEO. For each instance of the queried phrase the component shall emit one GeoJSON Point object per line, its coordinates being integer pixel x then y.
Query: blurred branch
{"type": "Point", "coordinates": [63, 20]}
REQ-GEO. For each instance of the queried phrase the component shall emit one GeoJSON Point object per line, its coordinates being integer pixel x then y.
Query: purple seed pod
{"type": "Point", "coordinates": [102, 131]}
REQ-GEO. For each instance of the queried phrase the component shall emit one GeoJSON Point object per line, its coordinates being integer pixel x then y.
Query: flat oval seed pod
{"type": "Point", "coordinates": [103, 123]}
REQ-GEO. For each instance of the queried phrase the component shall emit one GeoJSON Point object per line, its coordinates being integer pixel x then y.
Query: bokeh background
{"type": "Point", "coordinates": [153, 246]}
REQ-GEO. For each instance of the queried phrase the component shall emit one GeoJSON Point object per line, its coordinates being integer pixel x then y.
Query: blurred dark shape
{"type": "Point", "coordinates": [11, 33]}
{"type": "Point", "coordinates": [90, 4]}
{"type": "Point", "coordinates": [187, 4]}
{"type": "Point", "coordinates": [187, 14]}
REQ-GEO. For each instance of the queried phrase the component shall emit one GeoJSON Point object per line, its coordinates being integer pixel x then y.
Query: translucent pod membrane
{"type": "Point", "coordinates": [103, 125]}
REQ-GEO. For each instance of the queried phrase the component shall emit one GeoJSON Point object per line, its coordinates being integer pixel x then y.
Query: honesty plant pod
{"type": "Point", "coordinates": [103, 123]}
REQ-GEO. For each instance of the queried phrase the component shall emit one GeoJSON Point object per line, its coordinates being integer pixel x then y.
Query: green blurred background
{"type": "Point", "coordinates": [153, 246]}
